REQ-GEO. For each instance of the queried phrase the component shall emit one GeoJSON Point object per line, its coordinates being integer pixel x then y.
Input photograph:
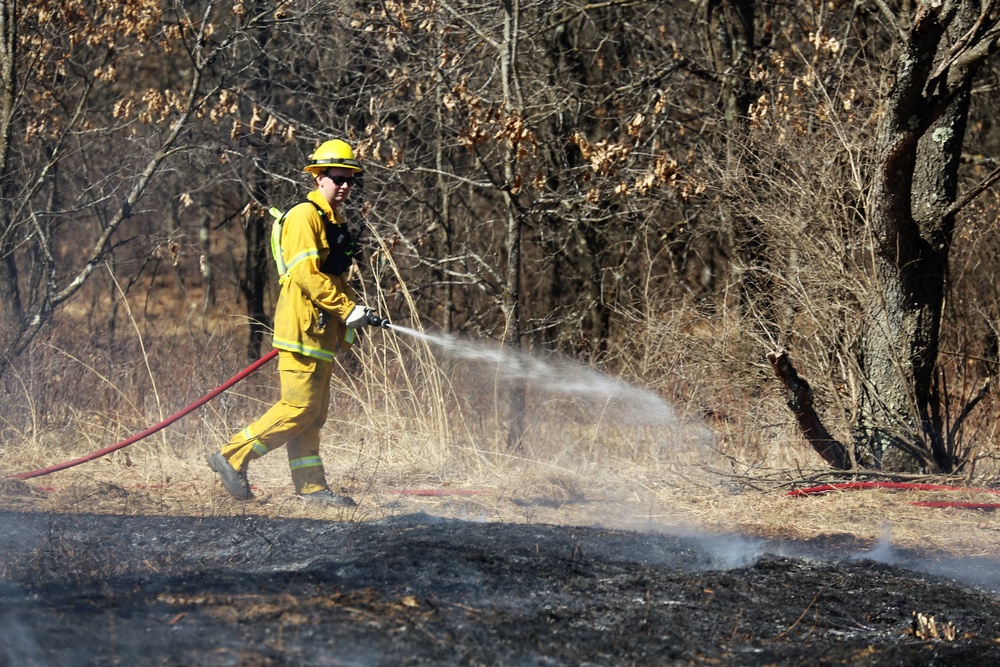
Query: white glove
{"type": "Point", "coordinates": [357, 318]}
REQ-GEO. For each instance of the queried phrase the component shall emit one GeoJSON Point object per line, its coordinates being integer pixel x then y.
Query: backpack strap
{"type": "Point", "coordinates": [276, 226]}
{"type": "Point", "coordinates": [276, 254]}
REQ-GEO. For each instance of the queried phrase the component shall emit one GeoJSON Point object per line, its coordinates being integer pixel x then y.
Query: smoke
{"type": "Point", "coordinates": [981, 572]}
{"type": "Point", "coordinates": [690, 548]}
{"type": "Point", "coordinates": [555, 375]}
{"type": "Point", "coordinates": [18, 645]}
{"type": "Point", "coordinates": [882, 552]}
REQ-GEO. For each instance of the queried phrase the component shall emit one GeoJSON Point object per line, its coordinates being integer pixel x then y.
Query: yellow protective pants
{"type": "Point", "coordinates": [294, 421]}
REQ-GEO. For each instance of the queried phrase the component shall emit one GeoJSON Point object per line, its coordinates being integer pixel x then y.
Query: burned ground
{"type": "Point", "coordinates": [88, 589]}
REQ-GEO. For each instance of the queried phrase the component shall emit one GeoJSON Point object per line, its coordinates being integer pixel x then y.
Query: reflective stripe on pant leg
{"type": "Point", "coordinates": [305, 462]}
{"type": "Point", "coordinates": [258, 448]}
{"type": "Point", "coordinates": [308, 474]}
{"type": "Point", "coordinates": [243, 448]}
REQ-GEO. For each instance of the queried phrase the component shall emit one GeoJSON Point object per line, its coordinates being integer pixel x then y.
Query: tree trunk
{"type": "Point", "coordinates": [918, 146]}
{"type": "Point", "coordinates": [732, 38]}
{"type": "Point", "coordinates": [800, 402]}
{"type": "Point", "coordinates": [255, 279]}
{"type": "Point", "coordinates": [256, 232]}
{"type": "Point", "coordinates": [205, 262]}
{"type": "Point", "coordinates": [444, 191]}
{"type": "Point", "coordinates": [512, 276]}
{"type": "Point", "coordinates": [11, 309]}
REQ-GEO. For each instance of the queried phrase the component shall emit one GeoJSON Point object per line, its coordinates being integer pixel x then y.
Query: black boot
{"type": "Point", "coordinates": [235, 481]}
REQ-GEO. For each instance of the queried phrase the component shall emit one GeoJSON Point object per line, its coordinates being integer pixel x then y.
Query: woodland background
{"type": "Point", "coordinates": [669, 191]}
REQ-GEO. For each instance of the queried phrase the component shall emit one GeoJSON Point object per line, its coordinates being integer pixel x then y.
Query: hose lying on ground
{"type": "Point", "coordinates": [909, 486]}
{"type": "Point", "coordinates": [152, 429]}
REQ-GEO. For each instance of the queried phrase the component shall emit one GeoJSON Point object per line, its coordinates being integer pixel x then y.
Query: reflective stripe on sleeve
{"type": "Point", "coordinates": [311, 253]}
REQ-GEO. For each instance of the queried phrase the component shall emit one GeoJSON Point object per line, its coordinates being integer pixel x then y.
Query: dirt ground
{"type": "Point", "coordinates": [94, 589]}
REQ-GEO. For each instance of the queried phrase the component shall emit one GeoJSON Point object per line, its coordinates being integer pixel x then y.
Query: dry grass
{"type": "Point", "coordinates": [694, 493]}
{"type": "Point", "coordinates": [410, 432]}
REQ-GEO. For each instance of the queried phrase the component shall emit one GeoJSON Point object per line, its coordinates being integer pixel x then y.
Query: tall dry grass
{"type": "Point", "coordinates": [406, 417]}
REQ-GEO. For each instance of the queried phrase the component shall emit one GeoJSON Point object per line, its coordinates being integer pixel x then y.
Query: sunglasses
{"type": "Point", "coordinates": [341, 180]}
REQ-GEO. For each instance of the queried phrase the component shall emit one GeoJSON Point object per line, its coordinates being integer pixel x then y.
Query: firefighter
{"type": "Point", "coordinates": [316, 316]}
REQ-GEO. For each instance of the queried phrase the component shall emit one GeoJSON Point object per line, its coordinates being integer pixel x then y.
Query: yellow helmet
{"type": "Point", "coordinates": [334, 153]}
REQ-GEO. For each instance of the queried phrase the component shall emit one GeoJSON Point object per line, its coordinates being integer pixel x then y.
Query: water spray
{"type": "Point", "coordinates": [627, 402]}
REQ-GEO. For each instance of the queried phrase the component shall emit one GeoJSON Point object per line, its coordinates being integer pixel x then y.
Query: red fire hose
{"type": "Point", "coordinates": [153, 429]}
{"type": "Point", "coordinates": [854, 486]}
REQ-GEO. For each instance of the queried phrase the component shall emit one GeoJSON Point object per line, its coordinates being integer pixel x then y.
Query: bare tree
{"type": "Point", "coordinates": [86, 128]}
{"type": "Point", "coordinates": [903, 417]}
{"type": "Point", "coordinates": [913, 205]}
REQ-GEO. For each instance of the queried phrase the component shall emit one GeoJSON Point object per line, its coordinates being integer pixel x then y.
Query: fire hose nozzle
{"type": "Point", "coordinates": [376, 321]}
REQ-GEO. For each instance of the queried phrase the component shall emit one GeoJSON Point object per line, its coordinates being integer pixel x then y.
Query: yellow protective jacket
{"type": "Point", "coordinates": [312, 306]}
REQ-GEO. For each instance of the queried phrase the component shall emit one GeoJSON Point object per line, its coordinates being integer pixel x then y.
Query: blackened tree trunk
{"type": "Point", "coordinates": [255, 281]}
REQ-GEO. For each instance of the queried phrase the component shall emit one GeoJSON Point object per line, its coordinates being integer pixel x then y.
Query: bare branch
{"type": "Point", "coordinates": [472, 26]}
{"type": "Point", "coordinates": [974, 192]}
{"type": "Point", "coordinates": [456, 177]}
{"type": "Point", "coordinates": [891, 19]}
{"type": "Point", "coordinates": [166, 150]}
{"type": "Point", "coordinates": [970, 49]}
{"type": "Point", "coordinates": [983, 392]}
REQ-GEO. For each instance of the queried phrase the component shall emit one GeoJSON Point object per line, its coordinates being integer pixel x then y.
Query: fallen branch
{"type": "Point", "coordinates": [800, 402]}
